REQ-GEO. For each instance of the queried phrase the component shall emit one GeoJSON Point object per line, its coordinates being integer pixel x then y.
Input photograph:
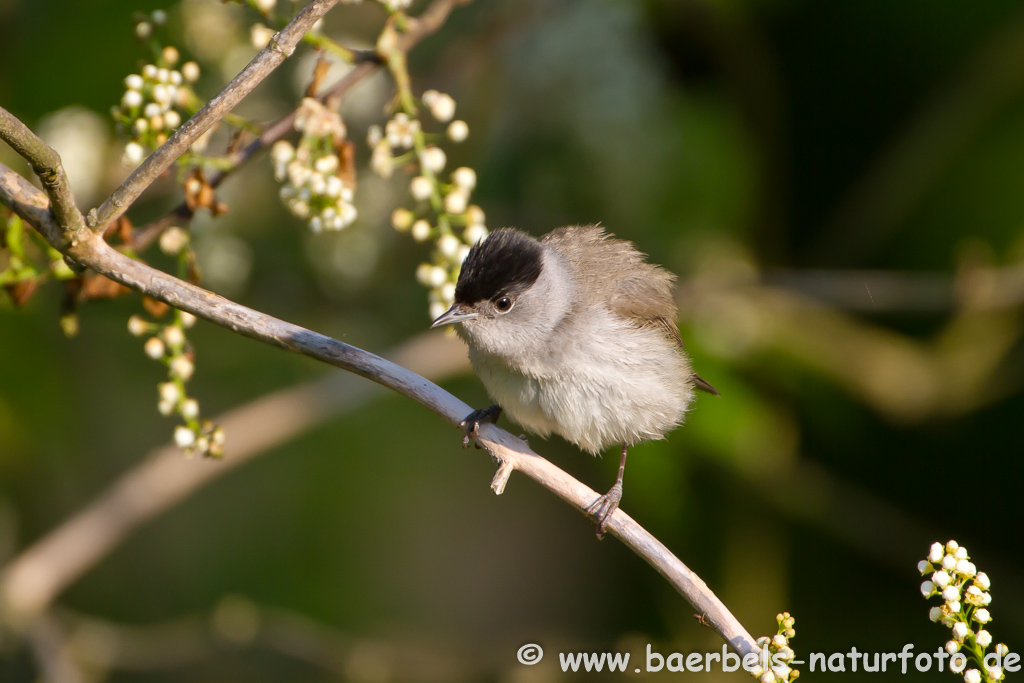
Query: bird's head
{"type": "Point", "coordinates": [510, 295]}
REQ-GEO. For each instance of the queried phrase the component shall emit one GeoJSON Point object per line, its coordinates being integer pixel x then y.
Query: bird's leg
{"type": "Point", "coordinates": [478, 417]}
{"type": "Point", "coordinates": [604, 507]}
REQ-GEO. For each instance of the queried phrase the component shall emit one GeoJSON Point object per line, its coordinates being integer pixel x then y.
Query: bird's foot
{"type": "Point", "coordinates": [604, 507]}
{"type": "Point", "coordinates": [478, 417]}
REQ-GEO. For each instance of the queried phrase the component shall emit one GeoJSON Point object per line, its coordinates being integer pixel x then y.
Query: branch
{"type": "Point", "coordinates": [508, 450]}
{"type": "Point", "coordinates": [46, 164]}
{"type": "Point", "coordinates": [269, 58]}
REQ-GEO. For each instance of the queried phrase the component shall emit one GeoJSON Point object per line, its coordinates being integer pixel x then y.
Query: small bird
{"type": "Point", "coordinates": [574, 334]}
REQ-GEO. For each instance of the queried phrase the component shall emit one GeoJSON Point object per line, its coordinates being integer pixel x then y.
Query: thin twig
{"type": "Point", "coordinates": [505, 448]}
{"type": "Point", "coordinates": [280, 47]}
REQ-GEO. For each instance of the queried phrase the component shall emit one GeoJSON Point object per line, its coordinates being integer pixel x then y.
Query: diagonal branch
{"type": "Point", "coordinates": [280, 47]}
{"type": "Point", "coordinates": [512, 453]}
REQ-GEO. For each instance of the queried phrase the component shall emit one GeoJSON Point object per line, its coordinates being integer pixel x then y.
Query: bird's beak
{"type": "Point", "coordinates": [455, 314]}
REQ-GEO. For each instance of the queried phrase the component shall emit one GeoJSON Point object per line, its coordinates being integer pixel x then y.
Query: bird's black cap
{"type": "Point", "coordinates": [506, 262]}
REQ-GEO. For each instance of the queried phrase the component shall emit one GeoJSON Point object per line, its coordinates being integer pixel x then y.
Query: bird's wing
{"type": "Point", "coordinates": [644, 297]}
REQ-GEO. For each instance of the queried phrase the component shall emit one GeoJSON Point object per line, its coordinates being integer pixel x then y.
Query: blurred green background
{"type": "Point", "coordinates": [840, 187]}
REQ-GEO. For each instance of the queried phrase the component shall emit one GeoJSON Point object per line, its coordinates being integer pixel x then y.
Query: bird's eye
{"type": "Point", "coordinates": [504, 304]}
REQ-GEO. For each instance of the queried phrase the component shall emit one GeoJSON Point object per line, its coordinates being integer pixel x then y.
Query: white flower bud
{"type": "Point", "coordinates": [260, 36]}
{"type": "Point", "coordinates": [455, 202]}
{"type": "Point", "coordinates": [402, 219]}
{"type": "Point", "coordinates": [190, 409]}
{"type": "Point", "coordinates": [960, 553]}
{"type": "Point", "coordinates": [266, 6]}
{"type": "Point", "coordinates": [152, 109]}
{"type": "Point", "coordinates": [190, 71]}
{"type": "Point", "coordinates": [169, 392]}
{"type": "Point", "coordinates": [173, 240]}
{"type": "Point", "coordinates": [174, 337]}
{"type": "Point", "coordinates": [924, 566]}
{"type": "Point", "coordinates": [141, 126]}
{"type": "Point", "coordinates": [326, 164]}
{"type": "Point", "coordinates": [458, 131]}
{"type": "Point", "coordinates": [957, 663]}
{"type": "Point", "coordinates": [423, 273]}
{"type": "Point", "coordinates": [176, 78]}
{"type": "Point", "coordinates": [464, 178]}
{"type": "Point", "coordinates": [1002, 650]}
{"type": "Point", "coordinates": [982, 582]}
{"type": "Point", "coordinates": [159, 17]}
{"type": "Point", "coordinates": [133, 82]}
{"type": "Point", "coordinates": [935, 613]}
{"type": "Point", "coordinates": [982, 616]}
{"type": "Point", "coordinates": [952, 647]}
{"type": "Point", "coordinates": [959, 630]}
{"type": "Point", "coordinates": [442, 107]}
{"type": "Point", "coordinates": [434, 159]}
{"type": "Point", "coordinates": [154, 348]}
{"type": "Point", "coordinates": [172, 119]}
{"type": "Point", "coordinates": [927, 588]}
{"type": "Point", "coordinates": [420, 188]}
{"type": "Point", "coordinates": [143, 30]}
{"type": "Point", "coordinates": [448, 245]}
{"type": "Point", "coordinates": [163, 75]}
{"type": "Point", "coordinates": [940, 579]}
{"type": "Point", "coordinates": [447, 291]}
{"type": "Point", "coordinates": [420, 230]}
{"type": "Point", "coordinates": [953, 606]}
{"type": "Point", "coordinates": [437, 276]}
{"type": "Point", "coordinates": [184, 437]}
{"type": "Point", "coordinates": [995, 673]}
{"type": "Point", "coordinates": [187, 319]}
{"type": "Point", "coordinates": [779, 640]}
{"type": "Point", "coordinates": [131, 99]}
{"type": "Point", "coordinates": [935, 553]}
{"type": "Point", "coordinates": [149, 72]}
{"type": "Point", "coordinates": [182, 368]}
{"type": "Point", "coordinates": [949, 562]}
{"type": "Point", "coordinates": [137, 326]}
{"type": "Point", "coordinates": [164, 407]}
{"type": "Point", "coordinates": [983, 638]}
{"type": "Point", "coordinates": [950, 593]}
{"type": "Point", "coordinates": [170, 55]}
{"type": "Point", "coordinates": [767, 677]}
{"type": "Point", "coordinates": [951, 547]}
{"type": "Point", "coordinates": [972, 676]}
{"type": "Point", "coordinates": [474, 233]}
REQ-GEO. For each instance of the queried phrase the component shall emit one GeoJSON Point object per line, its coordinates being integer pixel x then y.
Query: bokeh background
{"type": "Point", "coordinates": [840, 187]}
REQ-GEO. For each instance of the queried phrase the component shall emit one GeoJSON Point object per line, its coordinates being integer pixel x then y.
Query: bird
{"type": "Point", "coordinates": [574, 334]}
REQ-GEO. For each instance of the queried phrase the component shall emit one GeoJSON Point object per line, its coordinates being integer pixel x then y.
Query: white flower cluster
{"type": "Point", "coordinates": [778, 651]}
{"type": "Point", "coordinates": [964, 591]}
{"type": "Point", "coordinates": [403, 139]}
{"type": "Point", "coordinates": [168, 344]}
{"type": "Point", "coordinates": [150, 104]}
{"type": "Point", "coordinates": [314, 189]}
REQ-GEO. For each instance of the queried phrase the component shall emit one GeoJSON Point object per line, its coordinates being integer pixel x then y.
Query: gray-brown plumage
{"type": "Point", "coordinates": [575, 334]}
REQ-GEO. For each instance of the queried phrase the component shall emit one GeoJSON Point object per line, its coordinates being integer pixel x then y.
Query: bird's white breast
{"type": "Point", "coordinates": [597, 384]}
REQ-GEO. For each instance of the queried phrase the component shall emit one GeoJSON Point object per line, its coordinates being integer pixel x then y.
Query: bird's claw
{"type": "Point", "coordinates": [604, 507]}
{"type": "Point", "coordinates": [472, 423]}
